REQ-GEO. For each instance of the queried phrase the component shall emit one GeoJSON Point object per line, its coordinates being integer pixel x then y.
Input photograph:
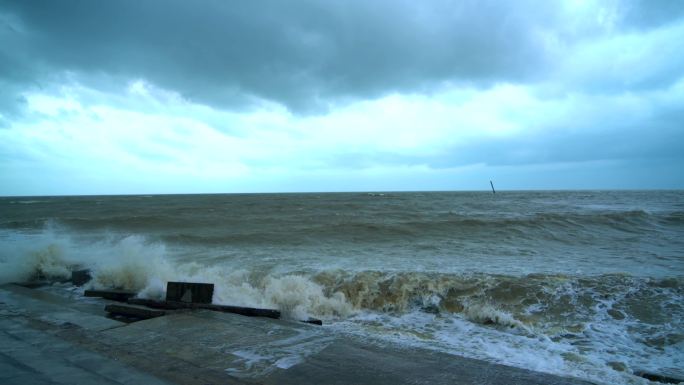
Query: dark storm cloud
{"type": "Point", "coordinates": [302, 54]}
{"type": "Point", "coordinates": [651, 13]}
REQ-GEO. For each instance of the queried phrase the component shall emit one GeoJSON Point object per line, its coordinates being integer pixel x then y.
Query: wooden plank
{"type": "Point", "coordinates": [247, 311]}
{"type": "Point", "coordinates": [153, 303]}
{"type": "Point", "coordinates": [313, 321]}
{"type": "Point", "coordinates": [189, 292]}
{"type": "Point", "coordinates": [32, 284]}
{"type": "Point", "coordinates": [174, 305]}
{"type": "Point", "coordinates": [114, 295]}
{"type": "Point", "coordinates": [134, 311]}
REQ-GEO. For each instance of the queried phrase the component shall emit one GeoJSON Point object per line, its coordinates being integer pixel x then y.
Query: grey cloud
{"type": "Point", "coordinates": [612, 138]}
{"type": "Point", "coordinates": [305, 55]}
{"type": "Point", "coordinates": [650, 13]}
{"type": "Point", "coordinates": [658, 137]}
{"type": "Point", "coordinates": [301, 54]}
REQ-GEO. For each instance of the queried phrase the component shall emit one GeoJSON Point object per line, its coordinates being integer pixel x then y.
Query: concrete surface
{"type": "Point", "coordinates": [48, 339]}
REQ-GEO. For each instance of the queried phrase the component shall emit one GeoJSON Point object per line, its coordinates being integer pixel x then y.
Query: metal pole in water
{"type": "Point", "coordinates": [493, 191]}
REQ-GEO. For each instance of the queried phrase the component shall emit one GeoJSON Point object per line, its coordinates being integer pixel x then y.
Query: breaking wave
{"type": "Point", "coordinates": [133, 263]}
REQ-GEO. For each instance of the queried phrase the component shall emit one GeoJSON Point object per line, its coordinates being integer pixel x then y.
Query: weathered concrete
{"type": "Point", "coordinates": [205, 347]}
{"type": "Point", "coordinates": [242, 347]}
{"type": "Point", "coordinates": [37, 304]}
{"type": "Point", "coordinates": [352, 362]}
{"type": "Point", "coordinates": [29, 355]}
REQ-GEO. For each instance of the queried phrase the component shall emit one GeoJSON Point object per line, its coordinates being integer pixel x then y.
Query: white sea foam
{"type": "Point", "coordinates": [281, 353]}
{"type": "Point", "coordinates": [25, 256]}
{"type": "Point", "coordinates": [133, 263]}
{"type": "Point", "coordinates": [489, 315]}
{"type": "Point", "coordinates": [459, 336]}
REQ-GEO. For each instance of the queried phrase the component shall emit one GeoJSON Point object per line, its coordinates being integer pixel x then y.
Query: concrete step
{"type": "Point", "coordinates": [30, 356]}
{"type": "Point", "coordinates": [55, 309]}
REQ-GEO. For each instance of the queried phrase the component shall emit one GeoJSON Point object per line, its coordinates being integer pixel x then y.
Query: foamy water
{"type": "Point", "coordinates": [586, 284]}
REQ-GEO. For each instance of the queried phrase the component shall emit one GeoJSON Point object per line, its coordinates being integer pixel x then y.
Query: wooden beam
{"type": "Point", "coordinates": [114, 295]}
{"type": "Point", "coordinates": [134, 311]}
{"type": "Point", "coordinates": [174, 305]}
{"type": "Point", "coordinates": [313, 321]}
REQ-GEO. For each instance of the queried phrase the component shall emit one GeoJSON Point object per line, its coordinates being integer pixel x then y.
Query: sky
{"type": "Point", "coordinates": [209, 96]}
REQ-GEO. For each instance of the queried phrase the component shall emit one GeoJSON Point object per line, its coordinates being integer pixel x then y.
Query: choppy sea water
{"type": "Point", "coordinates": [587, 284]}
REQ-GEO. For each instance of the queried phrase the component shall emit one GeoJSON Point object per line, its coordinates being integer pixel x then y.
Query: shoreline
{"type": "Point", "coordinates": [52, 339]}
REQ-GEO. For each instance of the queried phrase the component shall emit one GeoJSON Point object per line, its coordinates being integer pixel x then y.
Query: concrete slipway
{"type": "Point", "coordinates": [50, 339]}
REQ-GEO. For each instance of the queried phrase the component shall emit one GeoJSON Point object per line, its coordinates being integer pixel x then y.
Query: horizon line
{"type": "Point", "coordinates": [344, 192]}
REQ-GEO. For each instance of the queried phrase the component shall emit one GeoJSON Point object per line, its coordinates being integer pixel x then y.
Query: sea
{"type": "Point", "coordinates": [586, 284]}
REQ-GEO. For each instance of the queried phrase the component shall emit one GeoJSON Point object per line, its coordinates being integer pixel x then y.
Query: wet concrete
{"type": "Point", "coordinates": [48, 339]}
{"type": "Point", "coordinates": [29, 355]}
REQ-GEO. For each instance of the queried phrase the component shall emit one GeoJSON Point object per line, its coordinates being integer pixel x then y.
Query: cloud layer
{"type": "Point", "coordinates": [267, 95]}
{"type": "Point", "coordinates": [313, 53]}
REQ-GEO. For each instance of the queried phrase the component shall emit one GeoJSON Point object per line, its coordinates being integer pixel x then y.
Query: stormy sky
{"type": "Point", "coordinates": [171, 96]}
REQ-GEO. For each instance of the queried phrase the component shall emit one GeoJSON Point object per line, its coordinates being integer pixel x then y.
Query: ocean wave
{"type": "Point", "coordinates": [531, 299]}
{"type": "Point", "coordinates": [28, 201]}
{"type": "Point", "coordinates": [128, 222]}
{"type": "Point", "coordinates": [561, 227]}
{"type": "Point", "coordinates": [675, 217]}
{"type": "Point", "coordinates": [217, 225]}
{"type": "Point", "coordinates": [134, 263]}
